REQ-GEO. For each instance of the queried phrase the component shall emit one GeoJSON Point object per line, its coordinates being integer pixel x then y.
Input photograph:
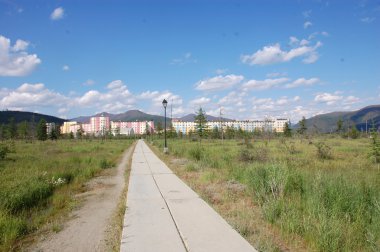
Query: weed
{"type": "Point", "coordinates": [323, 151]}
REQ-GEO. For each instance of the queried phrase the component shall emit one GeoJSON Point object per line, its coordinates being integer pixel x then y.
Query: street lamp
{"type": "Point", "coordinates": [165, 103]}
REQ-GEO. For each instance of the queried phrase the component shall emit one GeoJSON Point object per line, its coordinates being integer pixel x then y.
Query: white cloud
{"type": "Point", "coordinates": [302, 82]}
{"type": "Point", "coordinates": [233, 98]}
{"type": "Point", "coordinates": [293, 41]}
{"type": "Point", "coordinates": [263, 84]}
{"type": "Point", "coordinates": [307, 24]}
{"type": "Point", "coordinates": [328, 98]}
{"type": "Point", "coordinates": [57, 14]}
{"type": "Point", "coordinates": [276, 74]}
{"type": "Point", "coordinates": [65, 68]}
{"type": "Point", "coordinates": [368, 20]}
{"type": "Point", "coordinates": [200, 101]}
{"type": "Point", "coordinates": [351, 100]}
{"type": "Point", "coordinates": [20, 45]}
{"type": "Point", "coordinates": [15, 61]}
{"type": "Point", "coordinates": [274, 54]}
{"type": "Point", "coordinates": [31, 95]}
{"type": "Point", "coordinates": [296, 98]}
{"type": "Point", "coordinates": [219, 82]}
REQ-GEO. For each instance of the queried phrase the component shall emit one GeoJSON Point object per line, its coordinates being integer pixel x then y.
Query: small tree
{"type": "Point", "coordinates": [23, 130]}
{"type": "Point", "coordinates": [80, 132]}
{"type": "Point", "coordinates": [215, 134]}
{"type": "Point", "coordinates": [339, 125]}
{"type": "Point", "coordinates": [287, 130]}
{"type": "Point", "coordinates": [41, 130]}
{"type": "Point", "coordinates": [12, 128]}
{"type": "Point", "coordinates": [159, 128]}
{"type": "Point", "coordinates": [353, 133]}
{"type": "Point", "coordinates": [302, 126]}
{"type": "Point", "coordinates": [200, 123]}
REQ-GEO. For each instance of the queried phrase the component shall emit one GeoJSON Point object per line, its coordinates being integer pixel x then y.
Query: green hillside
{"type": "Point", "coordinates": [21, 116]}
{"type": "Point", "coordinates": [362, 119]}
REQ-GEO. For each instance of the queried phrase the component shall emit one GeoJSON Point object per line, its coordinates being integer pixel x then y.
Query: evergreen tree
{"type": "Point", "coordinates": [339, 125]}
{"type": "Point", "coordinates": [215, 134]}
{"type": "Point", "coordinates": [201, 123]}
{"type": "Point", "coordinates": [23, 130]}
{"type": "Point", "coordinates": [80, 132]}
{"type": "Point", "coordinates": [12, 128]}
{"type": "Point", "coordinates": [159, 128]}
{"type": "Point", "coordinates": [41, 130]}
{"type": "Point", "coordinates": [302, 126]}
{"type": "Point", "coordinates": [287, 130]}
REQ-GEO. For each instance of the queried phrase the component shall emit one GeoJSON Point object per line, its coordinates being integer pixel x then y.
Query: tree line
{"type": "Point", "coordinates": [28, 130]}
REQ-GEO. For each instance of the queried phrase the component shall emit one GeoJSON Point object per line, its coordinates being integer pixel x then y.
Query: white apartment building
{"type": "Point", "coordinates": [272, 125]}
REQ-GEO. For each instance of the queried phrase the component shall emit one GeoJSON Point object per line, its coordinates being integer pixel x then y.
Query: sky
{"type": "Point", "coordinates": [244, 59]}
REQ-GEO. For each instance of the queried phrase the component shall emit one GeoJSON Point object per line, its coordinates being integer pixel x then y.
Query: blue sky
{"type": "Point", "coordinates": [250, 59]}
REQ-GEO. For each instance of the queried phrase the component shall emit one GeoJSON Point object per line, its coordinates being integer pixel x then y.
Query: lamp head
{"type": "Point", "coordinates": [164, 103]}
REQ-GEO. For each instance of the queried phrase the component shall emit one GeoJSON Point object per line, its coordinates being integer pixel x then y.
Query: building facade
{"type": "Point", "coordinates": [271, 125]}
{"type": "Point", "coordinates": [101, 125]}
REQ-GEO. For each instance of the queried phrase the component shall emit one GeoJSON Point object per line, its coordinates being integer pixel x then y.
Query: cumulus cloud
{"type": "Point", "coordinates": [307, 24]}
{"type": "Point", "coordinates": [14, 60]}
{"type": "Point", "coordinates": [88, 82]}
{"type": "Point", "coordinates": [65, 68]}
{"type": "Point", "coordinates": [57, 13]}
{"type": "Point", "coordinates": [328, 98]}
{"type": "Point", "coordinates": [272, 54]}
{"type": "Point", "coordinates": [219, 82]}
{"type": "Point", "coordinates": [200, 101]}
{"type": "Point", "coordinates": [302, 82]}
{"type": "Point", "coordinates": [31, 95]}
{"type": "Point", "coordinates": [263, 84]}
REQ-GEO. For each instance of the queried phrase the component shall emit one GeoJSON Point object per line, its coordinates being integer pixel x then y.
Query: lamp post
{"type": "Point", "coordinates": [165, 103]}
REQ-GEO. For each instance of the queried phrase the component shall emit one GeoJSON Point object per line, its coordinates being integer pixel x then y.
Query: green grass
{"type": "Point", "coordinates": [324, 190]}
{"type": "Point", "coordinates": [38, 181]}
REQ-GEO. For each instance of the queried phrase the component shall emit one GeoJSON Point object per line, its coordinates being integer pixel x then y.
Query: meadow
{"type": "Point", "coordinates": [298, 194]}
{"type": "Point", "coordinates": [39, 180]}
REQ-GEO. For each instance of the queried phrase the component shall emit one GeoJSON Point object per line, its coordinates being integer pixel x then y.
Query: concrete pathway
{"type": "Point", "coordinates": [164, 214]}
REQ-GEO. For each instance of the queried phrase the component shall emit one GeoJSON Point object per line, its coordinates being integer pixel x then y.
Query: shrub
{"type": "Point", "coordinates": [256, 154]}
{"type": "Point", "coordinates": [323, 151]}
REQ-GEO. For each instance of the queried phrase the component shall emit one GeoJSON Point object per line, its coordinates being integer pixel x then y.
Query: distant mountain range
{"type": "Point", "coordinates": [21, 116]}
{"type": "Point", "coordinates": [361, 119]}
{"type": "Point", "coordinates": [322, 123]}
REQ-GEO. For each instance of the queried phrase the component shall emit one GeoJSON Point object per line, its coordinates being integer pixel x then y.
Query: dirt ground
{"type": "Point", "coordinates": [89, 227]}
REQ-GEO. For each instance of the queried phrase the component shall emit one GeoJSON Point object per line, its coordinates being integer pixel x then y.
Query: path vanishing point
{"type": "Point", "coordinates": [164, 214]}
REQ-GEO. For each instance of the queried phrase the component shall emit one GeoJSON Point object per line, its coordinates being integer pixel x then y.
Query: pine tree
{"type": "Point", "coordinates": [23, 130]}
{"type": "Point", "coordinates": [302, 126]}
{"type": "Point", "coordinates": [287, 130]}
{"type": "Point", "coordinates": [12, 128]}
{"type": "Point", "coordinates": [200, 123]}
{"type": "Point", "coordinates": [339, 125]}
{"type": "Point", "coordinates": [41, 130]}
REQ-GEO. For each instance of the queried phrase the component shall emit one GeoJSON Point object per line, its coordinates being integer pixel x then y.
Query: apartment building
{"type": "Point", "coordinates": [100, 125]}
{"type": "Point", "coordinates": [272, 125]}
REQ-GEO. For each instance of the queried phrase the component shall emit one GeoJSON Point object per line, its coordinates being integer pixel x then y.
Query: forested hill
{"type": "Point", "coordinates": [21, 116]}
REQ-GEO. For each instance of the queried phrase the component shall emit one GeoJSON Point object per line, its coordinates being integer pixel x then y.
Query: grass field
{"type": "Point", "coordinates": [321, 194]}
{"type": "Point", "coordinates": [39, 180]}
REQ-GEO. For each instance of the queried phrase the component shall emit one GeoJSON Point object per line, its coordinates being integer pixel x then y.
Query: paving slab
{"type": "Point", "coordinates": [164, 214]}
